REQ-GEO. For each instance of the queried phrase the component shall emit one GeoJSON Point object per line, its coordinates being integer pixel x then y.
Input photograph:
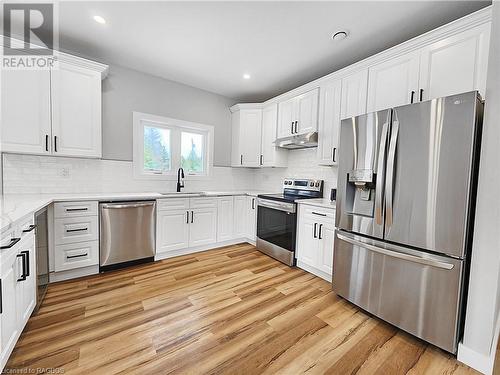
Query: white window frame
{"type": "Point", "coordinates": [176, 127]}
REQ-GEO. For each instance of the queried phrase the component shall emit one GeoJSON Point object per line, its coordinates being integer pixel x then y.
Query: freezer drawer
{"type": "Point", "coordinates": [417, 292]}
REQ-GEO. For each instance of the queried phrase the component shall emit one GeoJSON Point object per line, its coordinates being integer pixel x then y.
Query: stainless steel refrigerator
{"type": "Point", "coordinates": [405, 211]}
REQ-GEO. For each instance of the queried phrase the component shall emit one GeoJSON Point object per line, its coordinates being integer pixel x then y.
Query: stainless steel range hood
{"type": "Point", "coordinates": [306, 140]}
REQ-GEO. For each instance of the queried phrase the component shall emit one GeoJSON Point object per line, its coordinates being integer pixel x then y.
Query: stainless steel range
{"type": "Point", "coordinates": [277, 218]}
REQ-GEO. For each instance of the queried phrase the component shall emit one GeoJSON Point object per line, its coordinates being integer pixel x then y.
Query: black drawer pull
{"type": "Point", "coordinates": [76, 256]}
{"type": "Point", "coordinates": [77, 230]}
{"type": "Point", "coordinates": [76, 209]}
{"type": "Point", "coordinates": [319, 214]}
{"type": "Point", "coordinates": [27, 261]}
{"type": "Point", "coordinates": [30, 228]}
{"type": "Point", "coordinates": [319, 235]}
{"type": "Point", "coordinates": [314, 231]}
{"type": "Point", "coordinates": [23, 276]}
{"type": "Point", "coordinates": [13, 241]}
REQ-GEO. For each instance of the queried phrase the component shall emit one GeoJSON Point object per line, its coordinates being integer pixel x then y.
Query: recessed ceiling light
{"type": "Point", "coordinates": [246, 76]}
{"type": "Point", "coordinates": [100, 20]}
{"type": "Point", "coordinates": [339, 35]}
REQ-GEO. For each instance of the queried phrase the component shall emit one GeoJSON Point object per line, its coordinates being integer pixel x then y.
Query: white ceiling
{"type": "Point", "coordinates": [210, 45]}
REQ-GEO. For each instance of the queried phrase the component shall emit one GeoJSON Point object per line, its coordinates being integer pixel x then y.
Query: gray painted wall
{"type": "Point", "coordinates": [126, 90]}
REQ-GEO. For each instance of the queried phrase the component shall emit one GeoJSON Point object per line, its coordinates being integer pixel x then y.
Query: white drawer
{"type": "Point", "coordinates": [173, 204]}
{"type": "Point", "coordinates": [318, 213]}
{"type": "Point", "coordinates": [75, 209]}
{"type": "Point", "coordinates": [75, 229]}
{"type": "Point", "coordinates": [76, 255]}
{"type": "Point", "coordinates": [203, 202]}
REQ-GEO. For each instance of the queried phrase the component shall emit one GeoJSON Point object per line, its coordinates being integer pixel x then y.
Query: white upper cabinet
{"type": "Point", "coordinates": [299, 114]}
{"type": "Point", "coordinates": [246, 134]}
{"type": "Point", "coordinates": [307, 112]}
{"type": "Point", "coordinates": [393, 82]}
{"type": "Point", "coordinates": [354, 91]}
{"type": "Point", "coordinates": [456, 64]}
{"type": "Point", "coordinates": [272, 156]}
{"type": "Point", "coordinates": [56, 112]}
{"type": "Point", "coordinates": [329, 122]}
{"type": "Point", "coordinates": [76, 111]}
{"type": "Point", "coordinates": [25, 115]}
{"type": "Point", "coordinates": [286, 118]}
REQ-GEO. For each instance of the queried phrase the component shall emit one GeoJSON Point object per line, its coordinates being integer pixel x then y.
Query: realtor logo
{"type": "Point", "coordinates": [29, 34]}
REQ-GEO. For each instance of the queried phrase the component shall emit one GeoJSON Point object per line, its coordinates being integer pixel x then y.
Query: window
{"type": "Point", "coordinates": [162, 145]}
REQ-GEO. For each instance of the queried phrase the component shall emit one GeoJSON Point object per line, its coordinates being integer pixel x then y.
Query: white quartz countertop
{"type": "Point", "coordinates": [14, 207]}
{"type": "Point", "coordinates": [318, 202]}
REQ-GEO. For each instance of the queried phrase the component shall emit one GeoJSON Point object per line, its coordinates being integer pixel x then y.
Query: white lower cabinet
{"type": "Point", "coordinates": [203, 226]}
{"type": "Point", "coordinates": [225, 209]}
{"type": "Point", "coordinates": [172, 232]}
{"type": "Point", "coordinates": [251, 218]}
{"type": "Point", "coordinates": [18, 291]}
{"type": "Point", "coordinates": [240, 216]}
{"type": "Point", "coordinates": [315, 238]}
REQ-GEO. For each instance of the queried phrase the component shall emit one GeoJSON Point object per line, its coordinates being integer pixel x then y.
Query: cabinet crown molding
{"type": "Point", "coordinates": [240, 106]}
{"type": "Point", "coordinates": [67, 58]}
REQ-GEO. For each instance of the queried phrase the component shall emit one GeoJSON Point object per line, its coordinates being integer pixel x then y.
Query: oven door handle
{"type": "Point", "coordinates": [279, 206]}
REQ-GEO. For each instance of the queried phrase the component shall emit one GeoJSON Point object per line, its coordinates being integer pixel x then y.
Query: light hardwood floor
{"type": "Point", "coordinates": [231, 310]}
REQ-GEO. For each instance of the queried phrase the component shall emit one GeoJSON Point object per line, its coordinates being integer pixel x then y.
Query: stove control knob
{"type": "Point", "coordinates": [317, 183]}
{"type": "Point", "coordinates": [311, 184]}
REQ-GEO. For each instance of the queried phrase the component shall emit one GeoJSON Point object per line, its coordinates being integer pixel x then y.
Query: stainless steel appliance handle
{"type": "Point", "coordinates": [280, 206]}
{"type": "Point", "coordinates": [379, 188]}
{"type": "Point", "coordinates": [395, 254]}
{"type": "Point", "coordinates": [127, 205]}
{"type": "Point", "coordinates": [389, 185]}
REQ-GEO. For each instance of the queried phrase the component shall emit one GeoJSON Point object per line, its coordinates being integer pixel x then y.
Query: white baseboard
{"type": "Point", "coordinates": [478, 361]}
{"type": "Point", "coordinates": [314, 271]}
{"type": "Point", "coordinates": [483, 363]}
{"type": "Point", "coordinates": [197, 249]}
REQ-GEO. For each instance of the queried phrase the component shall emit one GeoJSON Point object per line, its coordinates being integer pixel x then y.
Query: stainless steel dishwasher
{"type": "Point", "coordinates": [127, 233]}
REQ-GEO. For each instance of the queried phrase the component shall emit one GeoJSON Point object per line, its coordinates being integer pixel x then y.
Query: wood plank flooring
{"type": "Point", "coordinates": [231, 310]}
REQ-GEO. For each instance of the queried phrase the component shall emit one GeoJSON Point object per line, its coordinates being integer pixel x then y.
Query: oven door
{"type": "Point", "coordinates": [276, 229]}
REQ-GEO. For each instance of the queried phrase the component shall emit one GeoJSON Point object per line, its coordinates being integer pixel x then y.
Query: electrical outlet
{"type": "Point", "coordinates": [65, 172]}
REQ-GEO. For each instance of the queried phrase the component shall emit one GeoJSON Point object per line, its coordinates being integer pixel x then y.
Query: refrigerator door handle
{"type": "Point", "coordinates": [389, 185]}
{"type": "Point", "coordinates": [395, 254]}
{"type": "Point", "coordinates": [381, 173]}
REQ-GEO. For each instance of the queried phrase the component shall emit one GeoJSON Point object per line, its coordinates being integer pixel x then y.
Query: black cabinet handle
{"type": "Point", "coordinates": [261, 162]}
{"type": "Point", "coordinates": [76, 209]}
{"type": "Point", "coordinates": [187, 217]}
{"type": "Point", "coordinates": [47, 142]}
{"type": "Point", "coordinates": [412, 96]}
{"type": "Point", "coordinates": [12, 242]}
{"type": "Point", "coordinates": [29, 229]}
{"type": "Point", "coordinates": [27, 261]}
{"type": "Point", "coordinates": [76, 230]}
{"type": "Point", "coordinates": [314, 231]}
{"type": "Point", "coordinates": [421, 94]}
{"type": "Point", "coordinates": [296, 127]}
{"type": "Point", "coordinates": [241, 159]}
{"type": "Point", "coordinates": [76, 256]}
{"type": "Point", "coordinates": [55, 143]}
{"type": "Point", "coordinates": [319, 234]}
{"type": "Point", "coordinates": [291, 130]}
{"type": "Point", "coordinates": [317, 213]}
{"type": "Point", "coordinates": [23, 276]}
{"type": "Point", "coordinates": [192, 216]}
{"type": "Point", "coordinates": [334, 154]}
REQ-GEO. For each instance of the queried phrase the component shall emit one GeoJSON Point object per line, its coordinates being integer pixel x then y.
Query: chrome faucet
{"type": "Point", "coordinates": [180, 183]}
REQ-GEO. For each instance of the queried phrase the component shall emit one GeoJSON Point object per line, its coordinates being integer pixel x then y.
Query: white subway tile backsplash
{"type": "Point", "coordinates": [45, 174]}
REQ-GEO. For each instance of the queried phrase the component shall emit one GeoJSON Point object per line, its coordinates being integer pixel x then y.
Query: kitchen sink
{"type": "Point", "coordinates": [182, 193]}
